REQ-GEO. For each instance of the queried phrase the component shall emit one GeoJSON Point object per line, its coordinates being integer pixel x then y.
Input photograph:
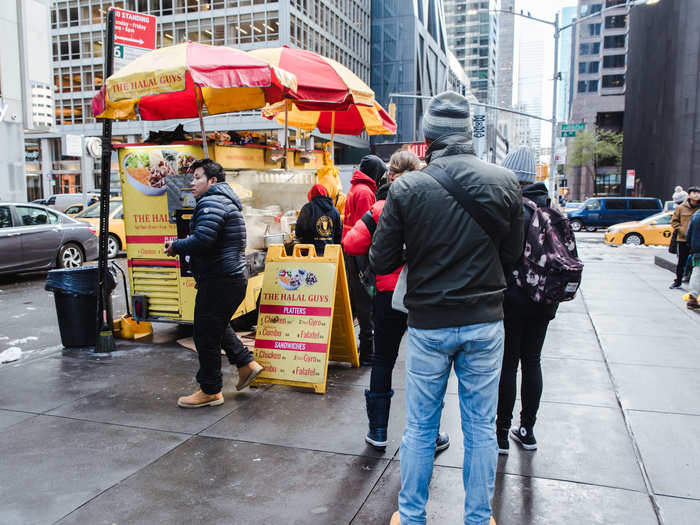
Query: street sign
{"type": "Point", "coordinates": [134, 35]}
{"type": "Point", "coordinates": [573, 127]}
{"type": "Point", "coordinates": [630, 179]}
{"type": "Point", "coordinates": [568, 134]}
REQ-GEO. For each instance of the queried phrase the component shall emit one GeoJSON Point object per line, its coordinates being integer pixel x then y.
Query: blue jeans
{"type": "Point", "coordinates": [477, 354]}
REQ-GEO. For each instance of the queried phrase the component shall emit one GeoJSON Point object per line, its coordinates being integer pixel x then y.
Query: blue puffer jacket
{"type": "Point", "coordinates": [692, 236]}
{"type": "Point", "coordinates": [216, 244]}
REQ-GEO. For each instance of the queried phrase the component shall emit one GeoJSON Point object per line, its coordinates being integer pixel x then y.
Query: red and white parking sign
{"type": "Point", "coordinates": [134, 29]}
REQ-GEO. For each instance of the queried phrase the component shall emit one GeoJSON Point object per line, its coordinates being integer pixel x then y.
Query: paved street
{"type": "Point", "coordinates": [90, 440]}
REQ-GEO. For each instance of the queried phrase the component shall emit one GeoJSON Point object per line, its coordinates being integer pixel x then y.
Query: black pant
{"type": "Point", "coordinates": [217, 300]}
{"type": "Point", "coordinates": [683, 252]}
{"type": "Point", "coordinates": [524, 338]}
{"type": "Point", "coordinates": [360, 302]}
{"type": "Point", "coordinates": [389, 327]}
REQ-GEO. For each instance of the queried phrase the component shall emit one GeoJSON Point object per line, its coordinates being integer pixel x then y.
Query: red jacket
{"type": "Point", "coordinates": [360, 198]}
{"type": "Point", "coordinates": [357, 242]}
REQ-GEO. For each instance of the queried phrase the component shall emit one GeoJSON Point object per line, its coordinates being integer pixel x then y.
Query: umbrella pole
{"type": "Point", "coordinates": [201, 125]}
{"type": "Point", "coordinates": [332, 137]}
{"type": "Point", "coordinates": [286, 135]}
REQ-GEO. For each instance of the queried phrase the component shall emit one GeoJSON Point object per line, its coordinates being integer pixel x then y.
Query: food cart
{"type": "Point", "coordinates": [158, 204]}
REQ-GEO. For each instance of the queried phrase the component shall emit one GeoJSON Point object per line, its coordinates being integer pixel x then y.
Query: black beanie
{"type": "Point", "coordinates": [373, 167]}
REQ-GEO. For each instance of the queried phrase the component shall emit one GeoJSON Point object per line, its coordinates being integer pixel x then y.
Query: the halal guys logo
{"type": "Point", "coordinates": [165, 80]}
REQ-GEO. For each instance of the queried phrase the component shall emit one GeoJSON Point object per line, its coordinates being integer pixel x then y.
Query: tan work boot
{"type": "Point", "coordinates": [395, 519]}
{"type": "Point", "coordinates": [692, 303]}
{"type": "Point", "coordinates": [200, 399]}
{"type": "Point", "coordinates": [492, 522]}
{"type": "Point", "coordinates": [247, 373]}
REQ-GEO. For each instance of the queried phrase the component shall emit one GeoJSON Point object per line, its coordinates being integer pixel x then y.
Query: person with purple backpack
{"type": "Point", "coordinates": [530, 301]}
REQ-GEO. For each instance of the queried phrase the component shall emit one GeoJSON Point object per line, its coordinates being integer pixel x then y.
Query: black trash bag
{"type": "Point", "coordinates": [78, 281]}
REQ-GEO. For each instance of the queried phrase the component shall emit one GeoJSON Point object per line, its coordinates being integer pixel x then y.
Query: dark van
{"type": "Point", "coordinates": [601, 212]}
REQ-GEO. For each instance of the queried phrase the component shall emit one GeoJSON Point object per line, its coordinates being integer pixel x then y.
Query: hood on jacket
{"type": "Point", "coordinates": [452, 144]}
{"type": "Point", "coordinates": [383, 191]}
{"type": "Point", "coordinates": [223, 189]}
{"type": "Point", "coordinates": [537, 193]}
{"type": "Point", "coordinates": [373, 167]}
{"type": "Point", "coordinates": [323, 202]}
{"type": "Point", "coordinates": [360, 178]}
{"type": "Point", "coordinates": [316, 190]}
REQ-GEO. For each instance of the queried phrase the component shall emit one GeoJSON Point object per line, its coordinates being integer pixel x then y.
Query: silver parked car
{"type": "Point", "coordinates": [34, 237]}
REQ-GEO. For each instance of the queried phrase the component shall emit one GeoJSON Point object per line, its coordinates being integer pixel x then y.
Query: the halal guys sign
{"type": "Point", "coordinates": [142, 85]}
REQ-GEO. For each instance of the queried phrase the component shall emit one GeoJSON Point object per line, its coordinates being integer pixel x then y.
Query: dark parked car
{"type": "Point", "coordinates": [34, 237]}
{"type": "Point", "coordinates": [601, 212]}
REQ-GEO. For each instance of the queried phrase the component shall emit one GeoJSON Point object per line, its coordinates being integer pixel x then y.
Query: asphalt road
{"type": "Point", "coordinates": [30, 321]}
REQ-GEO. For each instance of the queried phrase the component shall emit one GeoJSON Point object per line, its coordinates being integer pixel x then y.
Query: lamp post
{"type": "Point", "coordinates": [555, 76]}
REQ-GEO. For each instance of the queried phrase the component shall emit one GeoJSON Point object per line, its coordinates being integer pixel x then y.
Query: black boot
{"type": "Point", "coordinates": [366, 352]}
{"type": "Point", "coordinates": [378, 406]}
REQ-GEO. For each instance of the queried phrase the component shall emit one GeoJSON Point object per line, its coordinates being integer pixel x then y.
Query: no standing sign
{"type": "Point", "coordinates": [134, 35]}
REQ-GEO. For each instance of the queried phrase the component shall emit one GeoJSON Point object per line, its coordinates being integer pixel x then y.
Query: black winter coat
{"type": "Point", "coordinates": [217, 240]}
{"type": "Point", "coordinates": [319, 224]}
{"type": "Point", "coordinates": [455, 271]}
{"type": "Point", "coordinates": [517, 303]}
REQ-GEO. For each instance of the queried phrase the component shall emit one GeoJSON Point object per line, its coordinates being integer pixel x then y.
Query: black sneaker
{"type": "Point", "coordinates": [502, 438]}
{"type": "Point", "coordinates": [442, 442]}
{"type": "Point", "coordinates": [674, 285]}
{"type": "Point", "coordinates": [525, 437]}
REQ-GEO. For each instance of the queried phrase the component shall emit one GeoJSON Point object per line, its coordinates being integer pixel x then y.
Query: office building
{"type": "Point", "coordinates": [529, 74]}
{"type": "Point", "coordinates": [339, 30]}
{"type": "Point", "coordinates": [662, 108]}
{"type": "Point", "coordinates": [472, 35]}
{"type": "Point", "coordinates": [566, 16]}
{"type": "Point", "coordinates": [25, 95]}
{"type": "Point", "coordinates": [598, 100]}
{"type": "Point", "coordinates": [410, 57]}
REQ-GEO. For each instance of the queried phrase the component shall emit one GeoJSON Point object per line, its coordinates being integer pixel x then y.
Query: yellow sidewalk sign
{"type": "Point", "coordinates": [304, 319]}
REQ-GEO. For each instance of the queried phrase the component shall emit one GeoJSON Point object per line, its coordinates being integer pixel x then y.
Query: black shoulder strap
{"type": "Point", "coordinates": [369, 221]}
{"type": "Point", "coordinates": [461, 196]}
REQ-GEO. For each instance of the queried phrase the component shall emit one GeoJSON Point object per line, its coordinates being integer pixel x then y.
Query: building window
{"type": "Point", "coordinates": [590, 9]}
{"type": "Point", "coordinates": [612, 22]}
{"type": "Point", "coordinates": [592, 48]}
{"type": "Point", "coordinates": [614, 42]}
{"type": "Point", "coordinates": [587, 86]}
{"type": "Point", "coordinates": [588, 67]}
{"type": "Point", "coordinates": [613, 3]}
{"type": "Point", "coordinates": [613, 81]}
{"type": "Point", "coordinates": [613, 61]}
{"type": "Point", "coordinates": [593, 29]}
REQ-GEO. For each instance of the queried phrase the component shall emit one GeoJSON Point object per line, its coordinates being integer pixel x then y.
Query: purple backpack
{"type": "Point", "coordinates": [549, 270]}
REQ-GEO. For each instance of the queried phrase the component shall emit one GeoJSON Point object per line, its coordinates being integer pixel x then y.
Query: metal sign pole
{"type": "Point", "coordinates": [105, 338]}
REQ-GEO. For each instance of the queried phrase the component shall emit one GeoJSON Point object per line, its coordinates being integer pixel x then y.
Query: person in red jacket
{"type": "Point", "coordinates": [360, 198]}
{"type": "Point", "coordinates": [389, 324]}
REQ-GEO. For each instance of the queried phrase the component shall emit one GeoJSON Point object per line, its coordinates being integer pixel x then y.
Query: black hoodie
{"type": "Point", "coordinates": [319, 224]}
{"type": "Point", "coordinates": [217, 240]}
{"type": "Point", "coordinates": [517, 303]}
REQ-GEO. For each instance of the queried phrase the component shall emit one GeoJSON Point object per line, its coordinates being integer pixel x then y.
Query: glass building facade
{"type": "Point", "coordinates": [410, 57]}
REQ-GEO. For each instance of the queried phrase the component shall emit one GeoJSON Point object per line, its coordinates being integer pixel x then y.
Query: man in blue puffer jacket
{"type": "Point", "coordinates": [216, 247]}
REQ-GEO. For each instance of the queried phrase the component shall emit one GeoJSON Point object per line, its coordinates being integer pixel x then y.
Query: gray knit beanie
{"type": "Point", "coordinates": [521, 161]}
{"type": "Point", "coordinates": [447, 113]}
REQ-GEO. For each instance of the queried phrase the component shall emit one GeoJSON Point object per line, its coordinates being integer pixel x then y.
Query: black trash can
{"type": "Point", "coordinates": [75, 295]}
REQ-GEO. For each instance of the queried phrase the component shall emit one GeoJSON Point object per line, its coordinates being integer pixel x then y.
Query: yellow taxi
{"type": "Point", "coordinates": [117, 237]}
{"type": "Point", "coordinates": [652, 230]}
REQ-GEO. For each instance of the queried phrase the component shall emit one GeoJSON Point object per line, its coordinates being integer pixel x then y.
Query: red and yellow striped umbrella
{"type": "Point", "coordinates": [322, 83]}
{"type": "Point", "coordinates": [352, 121]}
{"type": "Point", "coordinates": [179, 81]}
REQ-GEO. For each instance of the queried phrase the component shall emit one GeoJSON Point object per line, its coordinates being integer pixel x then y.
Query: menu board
{"type": "Point", "coordinates": [295, 320]}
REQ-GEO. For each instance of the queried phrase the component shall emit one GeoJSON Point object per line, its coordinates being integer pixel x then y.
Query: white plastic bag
{"type": "Point", "coordinates": [400, 291]}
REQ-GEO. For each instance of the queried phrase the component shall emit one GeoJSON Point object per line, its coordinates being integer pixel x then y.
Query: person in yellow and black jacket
{"type": "Point", "coordinates": [319, 221]}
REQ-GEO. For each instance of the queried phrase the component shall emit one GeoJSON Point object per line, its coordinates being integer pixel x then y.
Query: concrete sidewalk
{"type": "Point", "coordinates": [88, 440]}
